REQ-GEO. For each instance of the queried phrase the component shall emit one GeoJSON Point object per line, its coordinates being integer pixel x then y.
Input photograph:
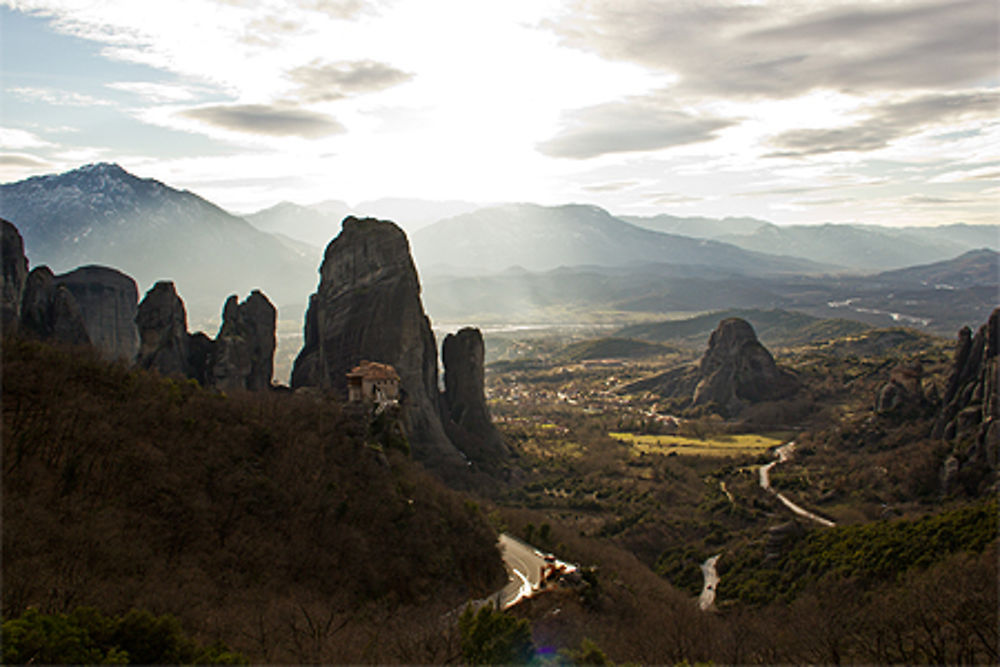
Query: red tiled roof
{"type": "Point", "coordinates": [373, 370]}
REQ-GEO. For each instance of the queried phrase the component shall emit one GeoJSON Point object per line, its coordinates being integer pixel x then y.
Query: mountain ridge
{"type": "Point", "coordinates": [102, 214]}
{"type": "Point", "coordinates": [541, 238]}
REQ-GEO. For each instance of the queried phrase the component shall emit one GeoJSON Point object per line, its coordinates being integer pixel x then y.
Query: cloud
{"type": "Point", "coordinates": [730, 49]}
{"type": "Point", "coordinates": [833, 201]}
{"type": "Point", "coordinates": [923, 200]}
{"type": "Point", "coordinates": [628, 126]}
{"type": "Point", "coordinates": [337, 9]}
{"type": "Point", "coordinates": [62, 98]}
{"type": "Point", "coordinates": [22, 160]}
{"type": "Point", "coordinates": [13, 138]}
{"type": "Point", "coordinates": [886, 123]}
{"type": "Point", "coordinates": [611, 187]}
{"type": "Point", "coordinates": [664, 198]}
{"type": "Point", "coordinates": [271, 120]}
{"type": "Point", "coordinates": [156, 92]}
{"type": "Point", "coordinates": [322, 82]}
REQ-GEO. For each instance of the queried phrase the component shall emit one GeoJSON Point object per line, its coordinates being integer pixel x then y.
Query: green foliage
{"type": "Point", "coordinates": [387, 430]}
{"type": "Point", "coordinates": [589, 653]}
{"type": "Point", "coordinates": [88, 637]}
{"type": "Point", "coordinates": [682, 567]}
{"type": "Point", "coordinates": [491, 637]}
{"type": "Point", "coordinates": [869, 553]}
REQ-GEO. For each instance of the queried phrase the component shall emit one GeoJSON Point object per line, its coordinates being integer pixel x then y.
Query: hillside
{"type": "Point", "coordinates": [101, 214]}
{"type": "Point", "coordinates": [313, 225]}
{"type": "Point", "coordinates": [611, 348]}
{"type": "Point", "coordinates": [859, 247]}
{"type": "Point", "coordinates": [976, 267]}
{"type": "Point", "coordinates": [316, 224]}
{"type": "Point", "coordinates": [539, 238]}
{"type": "Point", "coordinates": [276, 523]}
{"type": "Point", "coordinates": [773, 327]}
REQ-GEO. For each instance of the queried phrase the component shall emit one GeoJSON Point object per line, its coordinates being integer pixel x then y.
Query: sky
{"type": "Point", "coordinates": [876, 112]}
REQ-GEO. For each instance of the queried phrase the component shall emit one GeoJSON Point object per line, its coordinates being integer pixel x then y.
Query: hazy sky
{"type": "Point", "coordinates": [875, 112]}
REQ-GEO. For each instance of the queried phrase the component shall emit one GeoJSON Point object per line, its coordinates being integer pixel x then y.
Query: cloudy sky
{"type": "Point", "coordinates": [793, 111]}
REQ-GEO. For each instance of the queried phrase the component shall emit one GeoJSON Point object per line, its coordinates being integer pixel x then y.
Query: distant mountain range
{"type": "Point", "coordinates": [513, 262]}
{"type": "Point", "coordinates": [859, 247]}
{"type": "Point", "coordinates": [101, 214]}
{"type": "Point", "coordinates": [541, 238]}
{"type": "Point", "coordinates": [317, 224]}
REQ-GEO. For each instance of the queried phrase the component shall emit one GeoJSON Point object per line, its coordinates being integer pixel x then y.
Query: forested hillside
{"type": "Point", "coordinates": [278, 524]}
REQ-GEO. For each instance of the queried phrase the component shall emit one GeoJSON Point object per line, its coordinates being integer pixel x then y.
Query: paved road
{"type": "Point", "coordinates": [708, 572]}
{"type": "Point", "coordinates": [784, 453]}
{"type": "Point", "coordinates": [524, 565]}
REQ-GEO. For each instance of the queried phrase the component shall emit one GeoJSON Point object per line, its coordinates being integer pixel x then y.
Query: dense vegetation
{"type": "Point", "coordinates": [86, 636]}
{"type": "Point", "coordinates": [275, 523]}
{"type": "Point", "coordinates": [868, 553]}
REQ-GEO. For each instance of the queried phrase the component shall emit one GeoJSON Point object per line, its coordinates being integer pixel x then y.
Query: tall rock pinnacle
{"type": "Point", "coordinates": [368, 307]}
{"type": "Point", "coordinates": [467, 418]}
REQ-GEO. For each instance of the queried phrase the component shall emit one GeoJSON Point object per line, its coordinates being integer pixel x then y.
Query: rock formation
{"type": "Point", "coordinates": [970, 412]}
{"type": "Point", "coordinates": [49, 311]}
{"type": "Point", "coordinates": [467, 419]}
{"type": "Point", "coordinates": [108, 300]}
{"type": "Point", "coordinates": [14, 276]}
{"type": "Point", "coordinates": [244, 348]}
{"type": "Point", "coordinates": [163, 336]}
{"type": "Point", "coordinates": [903, 395]}
{"type": "Point", "coordinates": [241, 356]}
{"type": "Point", "coordinates": [368, 306]}
{"type": "Point", "coordinates": [736, 370]}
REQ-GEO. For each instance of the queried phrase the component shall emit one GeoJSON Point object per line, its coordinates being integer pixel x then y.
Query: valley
{"type": "Point", "coordinates": [722, 448]}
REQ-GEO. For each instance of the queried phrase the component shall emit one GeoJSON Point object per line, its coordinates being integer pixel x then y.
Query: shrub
{"type": "Point", "coordinates": [491, 637]}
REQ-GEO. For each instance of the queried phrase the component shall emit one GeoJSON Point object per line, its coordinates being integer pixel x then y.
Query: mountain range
{"type": "Point", "coordinates": [512, 262]}
{"type": "Point", "coordinates": [316, 224]}
{"type": "Point", "coordinates": [101, 214]}
{"type": "Point", "coordinates": [540, 238]}
{"type": "Point", "coordinates": [857, 247]}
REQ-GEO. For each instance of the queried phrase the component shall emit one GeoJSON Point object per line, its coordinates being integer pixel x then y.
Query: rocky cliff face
{"type": "Point", "coordinates": [108, 300]}
{"type": "Point", "coordinates": [49, 311]}
{"type": "Point", "coordinates": [163, 336]}
{"type": "Point", "coordinates": [13, 277]}
{"type": "Point", "coordinates": [368, 306]}
{"type": "Point", "coordinates": [736, 370]}
{"type": "Point", "coordinates": [240, 357]}
{"type": "Point", "coordinates": [467, 419]}
{"type": "Point", "coordinates": [243, 355]}
{"type": "Point", "coordinates": [970, 413]}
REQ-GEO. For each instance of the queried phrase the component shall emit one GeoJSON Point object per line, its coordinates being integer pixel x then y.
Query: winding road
{"type": "Point", "coordinates": [524, 563]}
{"type": "Point", "coordinates": [706, 601]}
{"type": "Point", "coordinates": [784, 454]}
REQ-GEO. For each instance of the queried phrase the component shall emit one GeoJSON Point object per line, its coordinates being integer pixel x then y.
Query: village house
{"type": "Point", "coordinates": [372, 382]}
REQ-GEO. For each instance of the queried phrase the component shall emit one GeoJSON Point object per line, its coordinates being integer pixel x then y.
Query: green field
{"type": "Point", "coordinates": [744, 444]}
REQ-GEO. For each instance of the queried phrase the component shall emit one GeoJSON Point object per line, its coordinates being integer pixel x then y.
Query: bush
{"type": "Point", "coordinates": [491, 637]}
{"type": "Point", "coordinates": [88, 637]}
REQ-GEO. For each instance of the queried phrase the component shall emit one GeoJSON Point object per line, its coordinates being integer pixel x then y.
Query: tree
{"type": "Point", "coordinates": [491, 637]}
